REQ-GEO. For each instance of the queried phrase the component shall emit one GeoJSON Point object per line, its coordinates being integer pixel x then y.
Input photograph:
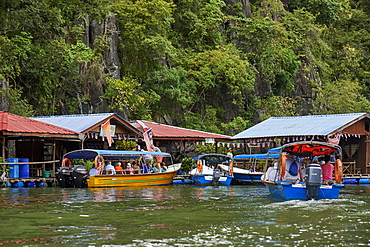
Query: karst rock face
{"type": "Point", "coordinates": [94, 84]}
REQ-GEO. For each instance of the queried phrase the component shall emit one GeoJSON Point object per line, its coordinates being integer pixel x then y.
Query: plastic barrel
{"type": "Point", "coordinates": [30, 184]}
{"type": "Point", "coordinates": [18, 184]}
{"type": "Point", "coordinates": [14, 168]}
{"type": "Point", "coordinates": [24, 169]}
{"type": "Point", "coordinates": [41, 184]}
{"type": "Point", "coordinates": [350, 181]}
{"type": "Point", "coordinates": [364, 181]}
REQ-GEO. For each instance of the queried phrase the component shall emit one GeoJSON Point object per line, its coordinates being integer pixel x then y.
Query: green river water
{"type": "Point", "coordinates": [180, 215]}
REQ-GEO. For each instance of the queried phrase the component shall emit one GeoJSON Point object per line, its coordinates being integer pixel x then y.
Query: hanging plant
{"type": "Point", "coordinates": [125, 145]}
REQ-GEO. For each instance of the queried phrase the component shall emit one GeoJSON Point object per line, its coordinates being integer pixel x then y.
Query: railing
{"type": "Point", "coordinates": [349, 168]}
{"type": "Point", "coordinates": [35, 169]}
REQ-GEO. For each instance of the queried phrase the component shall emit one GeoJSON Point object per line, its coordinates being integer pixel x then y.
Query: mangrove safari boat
{"type": "Point", "coordinates": [245, 168]}
{"type": "Point", "coordinates": [129, 175]}
{"type": "Point", "coordinates": [209, 172]}
{"type": "Point", "coordinates": [298, 175]}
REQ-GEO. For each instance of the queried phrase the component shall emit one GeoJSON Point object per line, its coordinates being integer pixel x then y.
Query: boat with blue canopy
{"type": "Point", "coordinates": [288, 180]}
{"type": "Point", "coordinates": [208, 171]}
{"type": "Point", "coordinates": [245, 168]}
{"type": "Point", "coordinates": [69, 175]}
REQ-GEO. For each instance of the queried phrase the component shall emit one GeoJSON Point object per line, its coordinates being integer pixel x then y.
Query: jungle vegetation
{"type": "Point", "coordinates": [211, 65]}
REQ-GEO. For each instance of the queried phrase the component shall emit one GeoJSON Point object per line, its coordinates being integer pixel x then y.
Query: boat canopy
{"type": "Point", "coordinates": [214, 158]}
{"type": "Point", "coordinates": [256, 156]}
{"type": "Point", "coordinates": [305, 149]}
{"type": "Point", "coordinates": [89, 154]}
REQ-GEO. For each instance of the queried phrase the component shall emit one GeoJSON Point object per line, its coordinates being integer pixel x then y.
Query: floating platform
{"type": "Point", "coordinates": [182, 179]}
{"type": "Point", "coordinates": [356, 179]}
{"type": "Point", "coordinates": [28, 182]}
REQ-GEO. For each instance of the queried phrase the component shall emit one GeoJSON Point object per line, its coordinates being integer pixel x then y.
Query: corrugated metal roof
{"type": "Point", "coordinates": [168, 131]}
{"type": "Point", "coordinates": [17, 124]}
{"type": "Point", "coordinates": [301, 125]}
{"type": "Point", "coordinates": [78, 123]}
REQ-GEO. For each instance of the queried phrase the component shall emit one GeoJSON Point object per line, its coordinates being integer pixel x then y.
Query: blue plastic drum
{"type": "Point", "coordinates": [13, 168]}
{"type": "Point", "coordinates": [24, 169]}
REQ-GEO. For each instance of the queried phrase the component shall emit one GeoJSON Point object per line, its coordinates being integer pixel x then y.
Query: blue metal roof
{"type": "Point", "coordinates": [77, 123]}
{"type": "Point", "coordinates": [301, 125]}
{"type": "Point", "coordinates": [89, 154]}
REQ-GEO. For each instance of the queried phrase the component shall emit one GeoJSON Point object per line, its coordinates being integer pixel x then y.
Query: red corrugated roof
{"type": "Point", "coordinates": [14, 123]}
{"type": "Point", "coordinates": [168, 131]}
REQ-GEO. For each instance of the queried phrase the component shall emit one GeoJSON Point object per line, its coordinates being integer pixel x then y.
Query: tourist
{"type": "Point", "coordinates": [109, 169]}
{"type": "Point", "coordinates": [118, 168]}
{"type": "Point", "coordinates": [136, 167]}
{"type": "Point", "coordinates": [93, 171]}
{"type": "Point", "coordinates": [230, 153]}
{"type": "Point", "coordinates": [148, 159]}
{"type": "Point", "coordinates": [159, 159]}
{"type": "Point", "coordinates": [293, 168]}
{"type": "Point", "coordinates": [272, 172]}
{"type": "Point", "coordinates": [327, 170]}
{"type": "Point", "coordinates": [144, 168]}
{"type": "Point", "coordinates": [153, 169]}
{"type": "Point", "coordinates": [129, 169]}
{"type": "Point", "coordinates": [137, 148]}
{"type": "Point", "coordinates": [164, 167]}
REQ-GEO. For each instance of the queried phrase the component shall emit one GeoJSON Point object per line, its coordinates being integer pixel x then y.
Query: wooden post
{"type": "Point", "coordinates": [53, 170]}
{"type": "Point", "coordinates": [3, 148]}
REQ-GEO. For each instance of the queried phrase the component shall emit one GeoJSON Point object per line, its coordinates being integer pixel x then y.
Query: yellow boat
{"type": "Point", "coordinates": [144, 179]}
{"type": "Point", "coordinates": [78, 176]}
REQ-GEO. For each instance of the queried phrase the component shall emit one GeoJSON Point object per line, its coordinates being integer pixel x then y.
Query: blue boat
{"type": "Point", "coordinates": [208, 171]}
{"type": "Point", "coordinates": [248, 174]}
{"type": "Point", "coordinates": [309, 186]}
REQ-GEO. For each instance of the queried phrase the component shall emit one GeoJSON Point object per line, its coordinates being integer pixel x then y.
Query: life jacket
{"type": "Point", "coordinates": [293, 169]}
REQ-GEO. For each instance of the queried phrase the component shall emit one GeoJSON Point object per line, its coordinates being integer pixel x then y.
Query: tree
{"type": "Point", "coordinates": [145, 26]}
{"type": "Point", "coordinates": [125, 95]}
{"type": "Point", "coordinates": [342, 96]}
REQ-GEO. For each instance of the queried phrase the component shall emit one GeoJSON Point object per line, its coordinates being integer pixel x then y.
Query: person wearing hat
{"type": "Point", "coordinates": [230, 153]}
{"type": "Point", "coordinates": [129, 169]}
{"type": "Point", "coordinates": [137, 148]}
{"type": "Point", "coordinates": [118, 168]}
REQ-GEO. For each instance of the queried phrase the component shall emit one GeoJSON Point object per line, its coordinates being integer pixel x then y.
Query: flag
{"type": "Point", "coordinates": [148, 138]}
{"type": "Point", "coordinates": [106, 128]}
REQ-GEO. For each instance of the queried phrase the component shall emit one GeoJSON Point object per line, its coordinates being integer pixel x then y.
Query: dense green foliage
{"type": "Point", "coordinates": [199, 64]}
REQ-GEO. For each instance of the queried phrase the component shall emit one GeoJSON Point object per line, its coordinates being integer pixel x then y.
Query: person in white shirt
{"type": "Point", "coordinates": [110, 169]}
{"type": "Point", "coordinates": [272, 172]}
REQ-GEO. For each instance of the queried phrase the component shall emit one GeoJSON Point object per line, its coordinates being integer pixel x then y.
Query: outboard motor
{"type": "Point", "coordinates": [79, 176]}
{"type": "Point", "coordinates": [63, 174]}
{"type": "Point", "coordinates": [216, 176]}
{"type": "Point", "coordinates": [313, 181]}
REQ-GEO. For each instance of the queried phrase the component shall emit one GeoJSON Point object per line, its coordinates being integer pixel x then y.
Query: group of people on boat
{"type": "Point", "coordinates": [295, 169]}
{"type": "Point", "coordinates": [128, 168]}
{"type": "Point", "coordinates": [145, 164]}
